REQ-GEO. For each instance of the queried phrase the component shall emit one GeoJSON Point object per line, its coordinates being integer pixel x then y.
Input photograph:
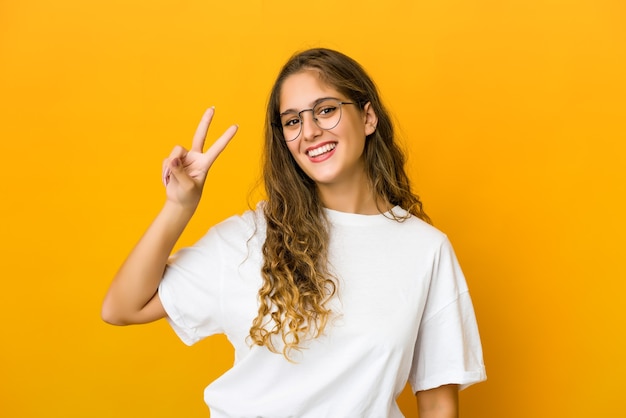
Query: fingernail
{"type": "Point", "coordinates": [176, 162]}
{"type": "Point", "coordinates": [166, 177]}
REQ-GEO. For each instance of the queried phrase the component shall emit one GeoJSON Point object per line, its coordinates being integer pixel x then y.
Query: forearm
{"type": "Point", "coordinates": [137, 280]}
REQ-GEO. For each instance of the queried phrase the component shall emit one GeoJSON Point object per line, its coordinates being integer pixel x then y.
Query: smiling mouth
{"type": "Point", "coordinates": [316, 152]}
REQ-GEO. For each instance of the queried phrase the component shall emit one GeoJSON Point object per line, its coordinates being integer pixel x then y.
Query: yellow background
{"type": "Point", "coordinates": [514, 114]}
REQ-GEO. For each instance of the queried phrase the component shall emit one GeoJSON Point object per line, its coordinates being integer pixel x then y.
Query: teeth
{"type": "Point", "coordinates": [321, 150]}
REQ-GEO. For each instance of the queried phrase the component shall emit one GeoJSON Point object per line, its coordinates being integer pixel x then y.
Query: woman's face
{"type": "Point", "coordinates": [328, 157]}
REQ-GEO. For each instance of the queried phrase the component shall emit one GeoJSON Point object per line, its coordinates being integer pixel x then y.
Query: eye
{"type": "Point", "coordinates": [289, 121]}
{"type": "Point", "coordinates": [325, 110]}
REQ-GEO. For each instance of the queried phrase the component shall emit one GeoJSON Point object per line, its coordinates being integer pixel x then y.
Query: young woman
{"type": "Point", "coordinates": [336, 290]}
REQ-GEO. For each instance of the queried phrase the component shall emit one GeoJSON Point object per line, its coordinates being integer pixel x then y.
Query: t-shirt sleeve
{"type": "Point", "coordinates": [448, 348]}
{"type": "Point", "coordinates": [190, 290]}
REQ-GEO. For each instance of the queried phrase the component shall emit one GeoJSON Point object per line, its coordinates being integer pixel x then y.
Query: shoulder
{"type": "Point", "coordinates": [245, 226]}
{"type": "Point", "coordinates": [417, 229]}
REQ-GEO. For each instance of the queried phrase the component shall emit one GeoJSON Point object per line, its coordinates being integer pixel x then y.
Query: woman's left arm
{"type": "Point", "coordinates": [441, 402]}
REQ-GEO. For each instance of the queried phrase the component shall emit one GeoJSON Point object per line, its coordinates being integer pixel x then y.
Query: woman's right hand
{"type": "Point", "coordinates": [133, 297]}
{"type": "Point", "coordinates": [184, 172]}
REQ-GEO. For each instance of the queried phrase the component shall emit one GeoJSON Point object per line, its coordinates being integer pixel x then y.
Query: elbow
{"type": "Point", "coordinates": [110, 319]}
{"type": "Point", "coordinates": [110, 314]}
{"type": "Point", "coordinates": [118, 310]}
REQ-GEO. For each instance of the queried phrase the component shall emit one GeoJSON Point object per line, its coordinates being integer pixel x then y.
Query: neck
{"type": "Point", "coordinates": [352, 198]}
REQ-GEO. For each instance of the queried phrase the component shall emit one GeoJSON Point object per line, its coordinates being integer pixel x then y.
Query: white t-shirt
{"type": "Point", "coordinates": [402, 312]}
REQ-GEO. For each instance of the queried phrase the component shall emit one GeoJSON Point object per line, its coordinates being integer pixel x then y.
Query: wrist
{"type": "Point", "coordinates": [177, 212]}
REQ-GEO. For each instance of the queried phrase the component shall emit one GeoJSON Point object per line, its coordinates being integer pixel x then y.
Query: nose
{"type": "Point", "coordinates": [310, 130]}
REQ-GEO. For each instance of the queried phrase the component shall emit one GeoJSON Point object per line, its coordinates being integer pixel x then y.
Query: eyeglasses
{"type": "Point", "coordinates": [326, 115]}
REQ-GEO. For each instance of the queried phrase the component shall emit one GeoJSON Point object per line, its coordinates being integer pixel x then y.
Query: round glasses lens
{"type": "Point", "coordinates": [327, 113]}
{"type": "Point", "coordinates": [291, 124]}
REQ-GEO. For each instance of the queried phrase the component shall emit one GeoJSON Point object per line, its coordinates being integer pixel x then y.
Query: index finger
{"type": "Point", "coordinates": [201, 131]}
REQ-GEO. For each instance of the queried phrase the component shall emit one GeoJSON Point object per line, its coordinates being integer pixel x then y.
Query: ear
{"type": "Point", "coordinates": [369, 118]}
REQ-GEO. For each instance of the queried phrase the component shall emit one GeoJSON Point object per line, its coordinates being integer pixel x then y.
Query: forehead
{"type": "Point", "coordinates": [302, 89]}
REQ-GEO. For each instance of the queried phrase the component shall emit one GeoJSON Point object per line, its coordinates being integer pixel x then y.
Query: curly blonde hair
{"type": "Point", "coordinates": [297, 281]}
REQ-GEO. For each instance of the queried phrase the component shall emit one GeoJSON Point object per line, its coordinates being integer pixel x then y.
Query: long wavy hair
{"type": "Point", "coordinates": [297, 281]}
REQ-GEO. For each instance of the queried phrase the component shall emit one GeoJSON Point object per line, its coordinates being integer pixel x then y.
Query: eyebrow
{"type": "Point", "coordinates": [313, 104]}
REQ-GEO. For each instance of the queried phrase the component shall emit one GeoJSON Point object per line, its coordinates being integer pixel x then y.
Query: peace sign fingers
{"type": "Point", "coordinates": [184, 172]}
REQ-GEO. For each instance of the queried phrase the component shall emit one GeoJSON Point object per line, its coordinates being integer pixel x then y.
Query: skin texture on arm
{"type": "Point", "coordinates": [441, 402]}
{"type": "Point", "coordinates": [132, 297]}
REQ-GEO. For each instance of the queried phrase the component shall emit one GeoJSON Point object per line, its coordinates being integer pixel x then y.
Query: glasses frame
{"type": "Point", "coordinates": [340, 104]}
